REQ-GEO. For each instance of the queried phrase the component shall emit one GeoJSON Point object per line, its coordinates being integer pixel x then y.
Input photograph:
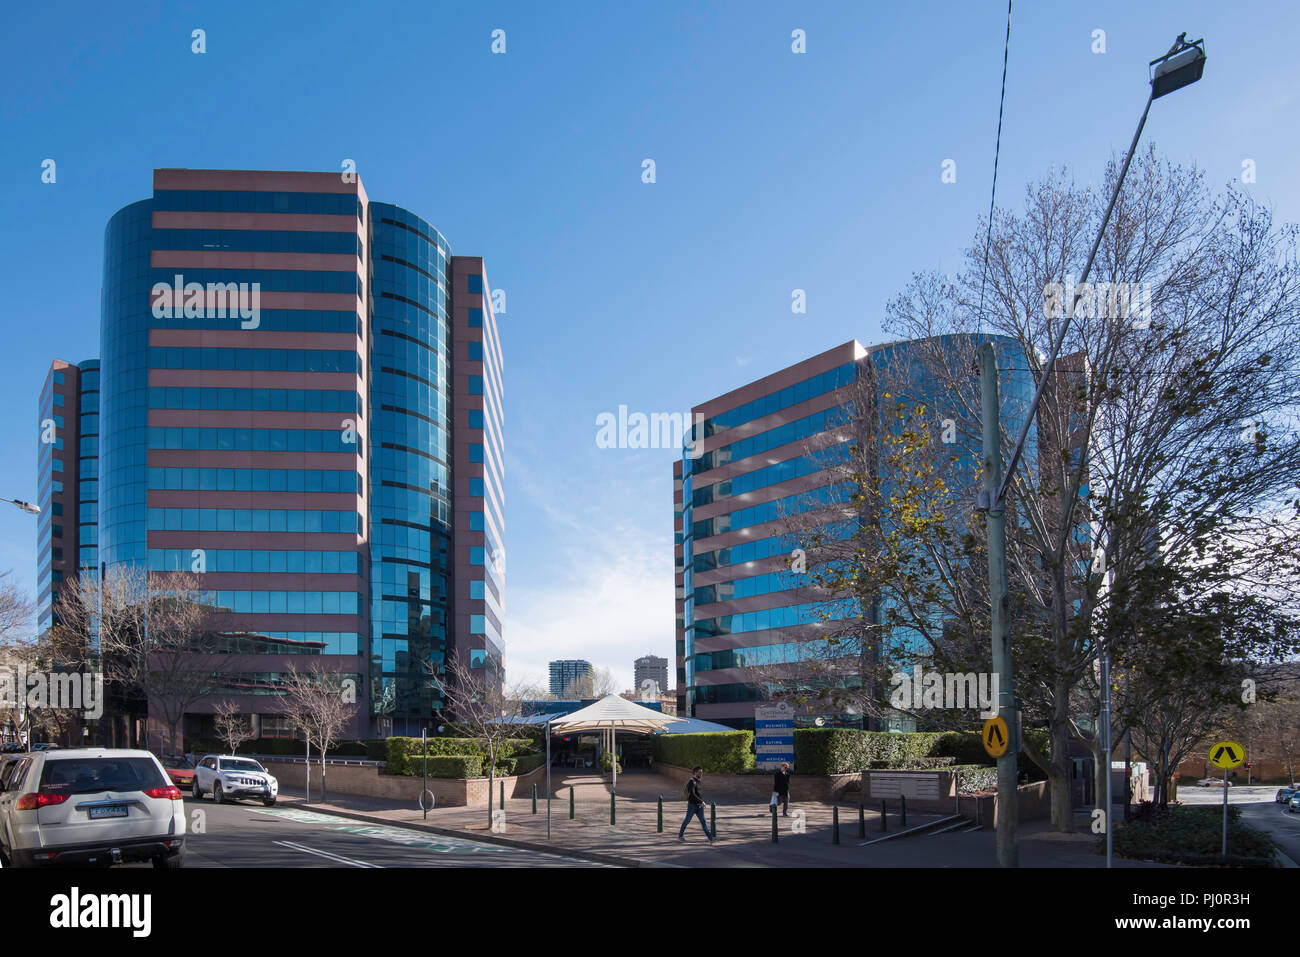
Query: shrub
{"type": "Point", "coordinates": [529, 762]}
{"type": "Point", "coordinates": [846, 750]}
{"type": "Point", "coordinates": [607, 762]}
{"type": "Point", "coordinates": [451, 766]}
{"type": "Point", "coordinates": [1191, 835]}
{"type": "Point", "coordinates": [974, 778]}
{"type": "Point", "coordinates": [718, 752]}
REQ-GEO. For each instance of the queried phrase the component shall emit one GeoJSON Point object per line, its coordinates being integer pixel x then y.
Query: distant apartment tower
{"type": "Point", "coordinates": [567, 671]}
{"type": "Point", "coordinates": [650, 668]}
{"type": "Point", "coordinates": [763, 465]}
{"type": "Point", "coordinates": [67, 457]}
{"type": "Point", "coordinates": [331, 456]}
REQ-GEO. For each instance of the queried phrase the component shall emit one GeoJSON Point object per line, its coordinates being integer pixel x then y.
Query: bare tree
{"type": "Point", "coordinates": [320, 704]}
{"type": "Point", "coordinates": [1166, 437]}
{"type": "Point", "coordinates": [232, 727]}
{"type": "Point", "coordinates": [153, 636]}
{"type": "Point", "coordinates": [486, 707]}
{"type": "Point", "coordinates": [15, 648]}
{"type": "Point", "coordinates": [603, 682]}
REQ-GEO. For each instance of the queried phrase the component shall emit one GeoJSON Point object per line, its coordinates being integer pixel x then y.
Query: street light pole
{"type": "Point", "coordinates": [1182, 65]}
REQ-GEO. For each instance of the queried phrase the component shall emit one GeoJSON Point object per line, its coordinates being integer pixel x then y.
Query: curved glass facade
{"type": "Point", "coordinates": [125, 317]}
{"type": "Point", "coordinates": [410, 491]}
{"type": "Point", "coordinates": [901, 369]}
{"type": "Point", "coordinates": [302, 462]}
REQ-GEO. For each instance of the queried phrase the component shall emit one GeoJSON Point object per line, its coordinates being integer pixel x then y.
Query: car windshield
{"type": "Point", "coordinates": [181, 763]}
{"type": "Point", "coordinates": [86, 775]}
{"type": "Point", "coordinates": [240, 764]}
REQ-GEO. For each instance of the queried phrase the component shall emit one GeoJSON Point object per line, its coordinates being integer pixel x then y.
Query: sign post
{"type": "Point", "coordinates": [1226, 755]}
{"type": "Point", "coordinates": [773, 735]}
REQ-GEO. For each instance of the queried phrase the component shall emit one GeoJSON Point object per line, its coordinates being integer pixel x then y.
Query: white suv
{"type": "Point", "coordinates": [227, 777]}
{"type": "Point", "coordinates": [91, 806]}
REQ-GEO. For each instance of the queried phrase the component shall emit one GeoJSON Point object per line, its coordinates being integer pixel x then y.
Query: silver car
{"type": "Point", "coordinates": [98, 806]}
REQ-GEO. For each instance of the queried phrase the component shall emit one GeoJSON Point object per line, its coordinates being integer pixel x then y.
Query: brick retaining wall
{"type": "Point", "coordinates": [365, 780]}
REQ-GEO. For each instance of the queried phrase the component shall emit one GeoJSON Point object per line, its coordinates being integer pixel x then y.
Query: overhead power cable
{"type": "Point", "coordinates": [997, 151]}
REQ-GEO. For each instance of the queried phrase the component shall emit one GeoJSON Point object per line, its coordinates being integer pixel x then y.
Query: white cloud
{"type": "Point", "coordinates": [605, 592]}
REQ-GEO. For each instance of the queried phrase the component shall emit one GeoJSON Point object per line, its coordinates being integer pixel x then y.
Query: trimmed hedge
{"type": "Point", "coordinates": [404, 753]}
{"type": "Point", "coordinates": [718, 752]}
{"type": "Point", "coordinates": [529, 762]}
{"type": "Point", "coordinates": [450, 766]}
{"type": "Point", "coordinates": [974, 778]}
{"type": "Point", "coordinates": [846, 750]}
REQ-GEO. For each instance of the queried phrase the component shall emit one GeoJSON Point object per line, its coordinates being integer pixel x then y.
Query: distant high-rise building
{"type": "Point", "coordinates": [299, 395]}
{"type": "Point", "coordinates": [565, 672]}
{"type": "Point", "coordinates": [650, 668]}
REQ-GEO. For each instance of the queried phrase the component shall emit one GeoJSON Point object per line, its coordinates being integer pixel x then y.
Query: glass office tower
{"type": "Point", "coordinates": [767, 454]}
{"type": "Point", "coordinates": [276, 413]}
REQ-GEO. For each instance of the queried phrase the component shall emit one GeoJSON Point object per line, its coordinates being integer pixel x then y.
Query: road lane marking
{"type": "Point", "coordinates": [326, 854]}
{"type": "Point", "coordinates": [383, 832]}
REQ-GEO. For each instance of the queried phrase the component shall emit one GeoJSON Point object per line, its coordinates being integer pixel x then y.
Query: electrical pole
{"type": "Point", "coordinates": [1008, 810]}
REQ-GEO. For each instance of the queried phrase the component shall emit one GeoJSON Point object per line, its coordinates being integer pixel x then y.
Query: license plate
{"type": "Point", "coordinates": [114, 810]}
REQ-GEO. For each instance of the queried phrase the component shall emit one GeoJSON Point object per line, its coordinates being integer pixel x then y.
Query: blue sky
{"type": "Point", "coordinates": [774, 171]}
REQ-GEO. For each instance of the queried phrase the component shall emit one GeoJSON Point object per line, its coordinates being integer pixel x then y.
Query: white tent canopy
{"type": "Point", "coordinates": [613, 712]}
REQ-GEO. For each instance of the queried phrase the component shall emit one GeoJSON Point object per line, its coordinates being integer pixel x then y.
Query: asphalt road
{"type": "Point", "coordinates": [250, 835]}
{"type": "Point", "coordinates": [1258, 809]}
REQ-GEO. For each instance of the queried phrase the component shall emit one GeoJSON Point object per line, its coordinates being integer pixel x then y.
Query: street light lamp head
{"type": "Point", "coordinates": [1181, 66]}
{"type": "Point", "coordinates": [27, 507]}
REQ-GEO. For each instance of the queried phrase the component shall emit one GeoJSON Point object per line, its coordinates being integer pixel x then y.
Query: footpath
{"type": "Point", "coordinates": [744, 829]}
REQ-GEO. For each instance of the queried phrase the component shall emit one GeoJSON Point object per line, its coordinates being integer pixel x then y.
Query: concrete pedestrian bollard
{"type": "Point", "coordinates": [862, 821]}
{"type": "Point", "coordinates": [570, 802]}
{"type": "Point", "coordinates": [659, 828]}
{"type": "Point", "coordinates": [883, 811]}
{"type": "Point", "coordinates": [611, 807]}
{"type": "Point", "coordinates": [713, 820]}
{"type": "Point", "coordinates": [502, 803]}
{"type": "Point", "coordinates": [902, 810]}
{"type": "Point", "coordinates": [774, 828]}
{"type": "Point", "coordinates": [835, 824]}
{"type": "Point", "coordinates": [534, 798]}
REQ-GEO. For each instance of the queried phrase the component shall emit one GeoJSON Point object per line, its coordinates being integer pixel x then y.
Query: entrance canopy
{"type": "Point", "coordinates": [613, 713]}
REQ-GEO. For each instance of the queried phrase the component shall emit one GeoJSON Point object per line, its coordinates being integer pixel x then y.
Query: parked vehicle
{"type": "Point", "coordinates": [1294, 804]}
{"type": "Point", "coordinates": [180, 769]}
{"type": "Point", "coordinates": [1213, 782]}
{"type": "Point", "coordinates": [98, 806]}
{"type": "Point", "coordinates": [227, 777]}
{"type": "Point", "coordinates": [1285, 794]}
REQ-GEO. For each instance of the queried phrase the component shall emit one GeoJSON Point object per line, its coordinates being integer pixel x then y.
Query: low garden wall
{"type": "Point", "coordinates": [758, 786]}
{"type": "Point", "coordinates": [367, 781]}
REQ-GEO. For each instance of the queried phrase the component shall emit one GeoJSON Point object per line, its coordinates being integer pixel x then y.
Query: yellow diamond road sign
{"type": "Point", "coordinates": [996, 737]}
{"type": "Point", "coordinates": [1227, 755]}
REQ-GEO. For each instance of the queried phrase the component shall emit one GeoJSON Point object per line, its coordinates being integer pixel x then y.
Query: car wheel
{"type": "Point", "coordinates": [269, 802]}
{"type": "Point", "coordinates": [168, 862]}
{"type": "Point", "coordinates": [195, 789]}
{"type": "Point", "coordinates": [217, 795]}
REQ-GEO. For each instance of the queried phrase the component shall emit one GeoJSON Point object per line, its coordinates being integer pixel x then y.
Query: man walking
{"type": "Point", "coordinates": [781, 789]}
{"type": "Point", "coordinates": [694, 804]}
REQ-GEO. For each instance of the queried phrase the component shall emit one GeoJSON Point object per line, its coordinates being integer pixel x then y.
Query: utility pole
{"type": "Point", "coordinates": [1008, 811]}
{"type": "Point", "coordinates": [1182, 65]}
